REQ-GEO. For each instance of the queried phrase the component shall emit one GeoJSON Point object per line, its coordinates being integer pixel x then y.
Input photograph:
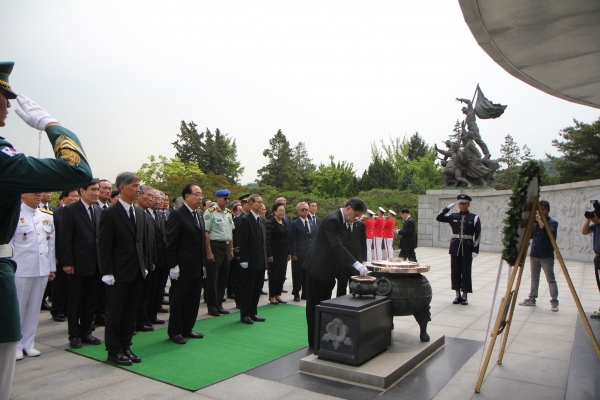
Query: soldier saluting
{"type": "Point", "coordinates": [464, 246]}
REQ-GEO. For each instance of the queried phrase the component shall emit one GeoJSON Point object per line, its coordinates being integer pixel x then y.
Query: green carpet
{"type": "Point", "coordinates": [229, 347]}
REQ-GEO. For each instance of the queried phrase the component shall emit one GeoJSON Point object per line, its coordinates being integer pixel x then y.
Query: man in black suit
{"type": "Point", "coordinates": [186, 256]}
{"type": "Point", "coordinates": [356, 243]}
{"type": "Point", "coordinates": [302, 235]}
{"type": "Point", "coordinates": [145, 201]}
{"type": "Point", "coordinates": [78, 254]}
{"type": "Point", "coordinates": [103, 203]}
{"type": "Point", "coordinates": [312, 214]}
{"type": "Point", "coordinates": [122, 249]}
{"type": "Point", "coordinates": [252, 255]}
{"type": "Point", "coordinates": [408, 236]}
{"type": "Point", "coordinates": [161, 272]}
{"type": "Point", "coordinates": [327, 256]}
{"type": "Point", "coordinates": [59, 284]}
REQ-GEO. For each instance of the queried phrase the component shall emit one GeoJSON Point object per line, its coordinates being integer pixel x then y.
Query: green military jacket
{"type": "Point", "coordinates": [22, 174]}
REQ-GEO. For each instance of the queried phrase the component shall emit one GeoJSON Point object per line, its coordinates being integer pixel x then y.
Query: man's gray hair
{"type": "Point", "coordinates": [281, 200]}
{"type": "Point", "coordinates": [125, 178]}
{"type": "Point", "coordinates": [144, 189]}
{"type": "Point", "coordinates": [298, 205]}
{"type": "Point", "coordinates": [252, 198]}
{"type": "Point", "coordinates": [178, 202]}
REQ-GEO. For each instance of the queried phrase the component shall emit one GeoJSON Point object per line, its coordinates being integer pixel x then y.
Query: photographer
{"type": "Point", "coordinates": [542, 257]}
{"type": "Point", "coordinates": [592, 225]}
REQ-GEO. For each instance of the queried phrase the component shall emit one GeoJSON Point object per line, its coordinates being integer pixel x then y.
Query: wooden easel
{"type": "Point", "coordinates": [517, 273]}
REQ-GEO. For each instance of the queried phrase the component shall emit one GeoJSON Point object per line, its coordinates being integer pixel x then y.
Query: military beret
{"type": "Point", "coordinates": [463, 198]}
{"type": "Point", "coordinates": [370, 212]}
{"type": "Point", "coordinates": [222, 193]}
{"type": "Point", "coordinates": [392, 212]}
{"type": "Point", "coordinates": [382, 210]}
{"type": "Point", "coordinates": [5, 70]}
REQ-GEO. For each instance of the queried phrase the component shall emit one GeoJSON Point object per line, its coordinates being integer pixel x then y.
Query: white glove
{"type": "Point", "coordinates": [145, 273]}
{"type": "Point", "coordinates": [109, 279]}
{"type": "Point", "coordinates": [475, 255]}
{"type": "Point", "coordinates": [361, 269]}
{"type": "Point", "coordinates": [33, 115]}
{"type": "Point", "coordinates": [174, 273]}
{"type": "Point", "coordinates": [449, 206]}
{"type": "Point", "coordinates": [244, 265]}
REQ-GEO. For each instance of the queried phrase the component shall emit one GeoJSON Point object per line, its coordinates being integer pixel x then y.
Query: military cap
{"type": "Point", "coordinates": [392, 212]}
{"type": "Point", "coordinates": [222, 193]}
{"type": "Point", "coordinates": [370, 212]}
{"type": "Point", "coordinates": [244, 198]}
{"type": "Point", "coordinates": [5, 70]}
{"type": "Point", "coordinates": [463, 198]}
{"type": "Point", "coordinates": [382, 209]}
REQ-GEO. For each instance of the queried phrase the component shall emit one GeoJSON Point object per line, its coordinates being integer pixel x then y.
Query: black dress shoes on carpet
{"type": "Point", "coordinates": [212, 310]}
{"type": "Point", "coordinates": [222, 311]}
{"type": "Point", "coordinates": [256, 318]}
{"type": "Point", "coordinates": [296, 298]}
{"type": "Point", "coordinates": [247, 320]}
{"type": "Point", "coordinates": [193, 335]}
{"type": "Point", "coordinates": [119, 359]}
{"type": "Point", "coordinates": [163, 310]}
{"type": "Point", "coordinates": [157, 321]}
{"type": "Point", "coordinates": [89, 339]}
{"type": "Point", "coordinates": [131, 356]}
{"type": "Point", "coordinates": [75, 342]}
{"type": "Point", "coordinates": [178, 339]}
{"type": "Point", "coordinates": [58, 317]}
{"type": "Point", "coordinates": [144, 328]}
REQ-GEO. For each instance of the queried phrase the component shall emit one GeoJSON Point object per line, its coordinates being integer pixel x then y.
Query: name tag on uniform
{"type": "Point", "coordinates": [9, 151]}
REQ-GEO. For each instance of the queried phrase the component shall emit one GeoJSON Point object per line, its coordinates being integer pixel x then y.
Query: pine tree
{"type": "Point", "coordinates": [281, 172]}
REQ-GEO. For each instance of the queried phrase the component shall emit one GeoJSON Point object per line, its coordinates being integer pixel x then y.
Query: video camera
{"type": "Point", "coordinates": [596, 212]}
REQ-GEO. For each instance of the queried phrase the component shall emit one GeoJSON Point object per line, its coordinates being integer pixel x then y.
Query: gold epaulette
{"type": "Point", "coordinates": [228, 210]}
{"type": "Point", "coordinates": [211, 209]}
{"type": "Point", "coordinates": [236, 249]}
{"type": "Point", "coordinates": [46, 211]}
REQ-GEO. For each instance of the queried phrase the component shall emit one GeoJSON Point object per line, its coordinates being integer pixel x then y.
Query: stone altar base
{"type": "Point", "coordinates": [405, 353]}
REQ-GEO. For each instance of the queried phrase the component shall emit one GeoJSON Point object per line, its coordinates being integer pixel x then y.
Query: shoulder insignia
{"type": "Point", "coordinates": [46, 211]}
{"type": "Point", "coordinates": [211, 209]}
{"type": "Point", "coordinates": [206, 217]}
{"type": "Point", "coordinates": [9, 151]}
{"type": "Point", "coordinates": [228, 210]}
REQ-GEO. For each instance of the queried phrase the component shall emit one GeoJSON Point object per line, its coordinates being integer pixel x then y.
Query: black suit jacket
{"type": "Point", "coordinates": [316, 221]}
{"type": "Point", "coordinates": [57, 215]}
{"type": "Point", "coordinates": [299, 241]}
{"type": "Point", "coordinates": [185, 243]}
{"type": "Point", "coordinates": [150, 250]}
{"type": "Point", "coordinates": [328, 255]}
{"type": "Point", "coordinates": [160, 239]}
{"type": "Point", "coordinates": [408, 233]}
{"type": "Point", "coordinates": [79, 238]}
{"type": "Point", "coordinates": [252, 242]}
{"type": "Point", "coordinates": [122, 247]}
{"type": "Point", "coordinates": [357, 244]}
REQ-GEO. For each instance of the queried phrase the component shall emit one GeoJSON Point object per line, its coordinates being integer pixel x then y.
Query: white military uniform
{"type": "Point", "coordinates": [33, 242]}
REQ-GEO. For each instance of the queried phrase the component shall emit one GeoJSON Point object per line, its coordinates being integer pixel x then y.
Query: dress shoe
{"type": "Point", "coordinates": [144, 328]}
{"type": "Point", "coordinates": [212, 310]}
{"type": "Point", "coordinates": [129, 354]}
{"type": "Point", "coordinates": [165, 302]}
{"type": "Point", "coordinates": [296, 298]}
{"type": "Point", "coordinates": [89, 339]}
{"type": "Point", "coordinates": [456, 300]}
{"type": "Point", "coordinates": [464, 301]}
{"type": "Point", "coordinates": [45, 306]}
{"type": "Point", "coordinates": [178, 339]}
{"type": "Point", "coordinates": [274, 302]}
{"type": "Point", "coordinates": [256, 318]}
{"type": "Point", "coordinates": [58, 317]}
{"type": "Point", "coordinates": [263, 292]}
{"type": "Point", "coordinates": [193, 335]}
{"type": "Point", "coordinates": [163, 310]}
{"type": "Point", "coordinates": [32, 352]}
{"type": "Point", "coordinates": [75, 342]}
{"type": "Point", "coordinates": [282, 301]}
{"type": "Point", "coordinates": [119, 359]}
{"type": "Point", "coordinates": [19, 355]}
{"type": "Point", "coordinates": [283, 291]}
{"type": "Point", "coordinates": [247, 320]}
{"type": "Point", "coordinates": [222, 311]}
{"type": "Point", "coordinates": [157, 321]}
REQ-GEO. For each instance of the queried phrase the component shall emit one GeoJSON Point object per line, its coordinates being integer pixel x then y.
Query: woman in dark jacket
{"type": "Point", "coordinates": [278, 252]}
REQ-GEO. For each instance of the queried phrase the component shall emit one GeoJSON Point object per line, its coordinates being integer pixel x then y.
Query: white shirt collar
{"type": "Point", "coordinates": [125, 204]}
{"type": "Point", "coordinates": [189, 208]}
{"type": "Point", "coordinates": [86, 205]}
{"type": "Point", "coordinates": [254, 214]}
{"type": "Point", "coordinates": [26, 207]}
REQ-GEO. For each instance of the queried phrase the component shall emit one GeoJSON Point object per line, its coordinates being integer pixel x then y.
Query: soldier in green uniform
{"type": "Point", "coordinates": [218, 222]}
{"type": "Point", "coordinates": [21, 174]}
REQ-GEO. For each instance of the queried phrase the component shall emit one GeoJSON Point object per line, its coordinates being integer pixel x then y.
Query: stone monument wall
{"type": "Point", "coordinates": [567, 205]}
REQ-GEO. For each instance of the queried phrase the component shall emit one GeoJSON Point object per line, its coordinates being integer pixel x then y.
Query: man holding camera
{"type": "Point", "coordinates": [592, 225]}
{"type": "Point", "coordinates": [542, 257]}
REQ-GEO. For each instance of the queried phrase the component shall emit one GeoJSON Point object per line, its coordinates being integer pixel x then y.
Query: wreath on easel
{"type": "Point", "coordinates": [512, 223]}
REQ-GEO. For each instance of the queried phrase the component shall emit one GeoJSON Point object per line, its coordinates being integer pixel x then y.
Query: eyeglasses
{"type": "Point", "coordinates": [303, 209]}
{"type": "Point", "coordinates": [197, 194]}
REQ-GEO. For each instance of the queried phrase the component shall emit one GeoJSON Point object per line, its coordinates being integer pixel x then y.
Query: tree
{"type": "Point", "coordinates": [581, 152]}
{"type": "Point", "coordinates": [381, 174]}
{"type": "Point", "coordinates": [511, 154]}
{"type": "Point", "coordinates": [216, 153]}
{"type": "Point", "coordinates": [512, 158]}
{"type": "Point", "coordinates": [304, 165]}
{"type": "Point", "coordinates": [334, 179]}
{"type": "Point", "coordinates": [281, 171]}
{"type": "Point", "coordinates": [417, 147]}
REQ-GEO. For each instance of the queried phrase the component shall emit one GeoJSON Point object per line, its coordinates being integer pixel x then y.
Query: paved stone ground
{"type": "Point", "coordinates": [542, 346]}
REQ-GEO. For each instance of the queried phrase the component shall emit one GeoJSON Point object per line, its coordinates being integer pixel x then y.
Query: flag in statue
{"type": "Point", "coordinates": [485, 109]}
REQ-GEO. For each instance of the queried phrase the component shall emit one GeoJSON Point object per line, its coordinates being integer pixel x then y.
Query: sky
{"type": "Point", "coordinates": [337, 75]}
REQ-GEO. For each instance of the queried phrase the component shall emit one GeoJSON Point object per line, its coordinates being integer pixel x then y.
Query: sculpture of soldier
{"type": "Point", "coordinates": [472, 127]}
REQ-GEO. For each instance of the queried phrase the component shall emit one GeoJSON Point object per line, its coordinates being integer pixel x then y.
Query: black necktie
{"type": "Point", "coordinates": [154, 211]}
{"type": "Point", "coordinates": [149, 213]}
{"type": "Point", "coordinates": [195, 217]}
{"type": "Point", "coordinates": [46, 207]}
{"type": "Point", "coordinates": [93, 217]}
{"type": "Point", "coordinates": [306, 227]}
{"type": "Point", "coordinates": [104, 207]}
{"type": "Point", "coordinates": [132, 217]}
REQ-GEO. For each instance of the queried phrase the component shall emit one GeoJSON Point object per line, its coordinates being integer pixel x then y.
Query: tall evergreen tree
{"type": "Point", "coordinates": [304, 165]}
{"type": "Point", "coordinates": [380, 175]}
{"type": "Point", "coordinates": [417, 147]}
{"type": "Point", "coordinates": [281, 171]}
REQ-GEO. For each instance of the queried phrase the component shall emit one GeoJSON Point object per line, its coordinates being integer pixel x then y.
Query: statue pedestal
{"type": "Point", "coordinates": [352, 330]}
{"type": "Point", "coordinates": [381, 372]}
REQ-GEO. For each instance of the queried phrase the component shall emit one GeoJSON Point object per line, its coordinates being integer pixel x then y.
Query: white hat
{"type": "Point", "coordinates": [392, 212]}
{"type": "Point", "coordinates": [382, 209]}
{"type": "Point", "coordinates": [370, 212]}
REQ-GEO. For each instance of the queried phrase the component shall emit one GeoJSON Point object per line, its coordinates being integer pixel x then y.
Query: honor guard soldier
{"type": "Point", "coordinates": [22, 174]}
{"type": "Point", "coordinates": [369, 225]}
{"type": "Point", "coordinates": [378, 233]}
{"type": "Point", "coordinates": [219, 226]}
{"type": "Point", "coordinates": [388, 234]}
{"type": "Point", "coordinates": [464, 246]}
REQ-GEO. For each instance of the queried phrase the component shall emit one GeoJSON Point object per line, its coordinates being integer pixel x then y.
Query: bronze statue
{"type": "Point", "coordinates": [471, 120]}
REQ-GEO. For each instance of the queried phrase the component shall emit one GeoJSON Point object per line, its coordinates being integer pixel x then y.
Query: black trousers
{"type": "Point", "coordinates": [233, 265]}
{"type": "Point", "coordinates": [316, 292]}
{"type": "Point", "coordinates": [156, 291]}
{"type": "Point", "coordinates": [298, 278]}
{"type": "Point", "coordinates": [277, 270]}
{"type": "Point", "coordinates": [142, 314]}
{"type": "Point", "coordinates": [460, 268]}
{"type": "Point", "coordinates": [100, 313]}
{"type": "Point", "coordinates": [342, 281]}
{"type": "Point", "coordinates": [250, 284]}
{"type": "Point", "coordinates": [59, 292]}
{"type": "Point", "coordinates": [122, 305]}
{"type": "Point", "coordinates": [82, 292]}
{"type": "Point", "coordinates": [217, 273]}
{"type": "Point", "coordinates": [408, 254]}
{"type": "Point", "coordinates": [184, 299]}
